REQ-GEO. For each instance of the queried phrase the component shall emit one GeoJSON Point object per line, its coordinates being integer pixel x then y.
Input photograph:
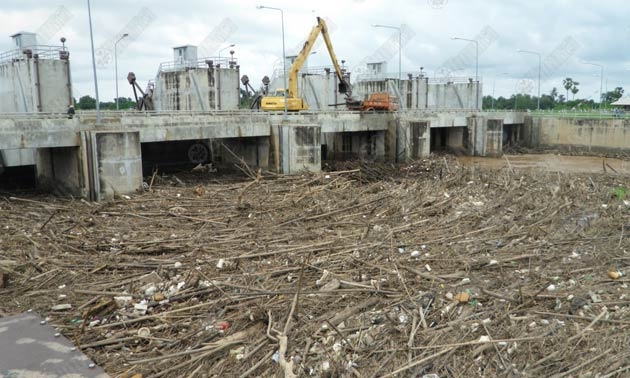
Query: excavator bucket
{"type": "Point", "coordinates": [343, 87]}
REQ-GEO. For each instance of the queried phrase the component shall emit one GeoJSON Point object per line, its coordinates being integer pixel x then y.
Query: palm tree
{"type": "Point", "coordinates": [568, 84]}
{"type": "Point", "coordinates": [575, 89]}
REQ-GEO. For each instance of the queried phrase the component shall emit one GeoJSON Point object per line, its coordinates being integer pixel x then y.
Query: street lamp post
{"type": "Point", "coordinates": [284, 56]}
{"type": "Point", "coordinates": [539, 66]}
{"type": "Point", "coordinates": [476, 65]}
{"type": "Point", "coordinates": [99, 120]}
{"type": "Point", "coordinates": [225, 48]}
{"type": "Point", "coordinates": [116, 64]}
{"type": "Point", "coordinates": [399, 48]}
{"type": "Point", "coordinates": [601, 81]}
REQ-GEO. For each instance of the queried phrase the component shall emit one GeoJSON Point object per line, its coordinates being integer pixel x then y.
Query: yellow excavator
{"type": "Point", "coordinates": [294, 101]}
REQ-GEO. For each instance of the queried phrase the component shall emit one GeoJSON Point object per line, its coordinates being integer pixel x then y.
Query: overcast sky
{"type": "Point", "coordinates": [566, 33]}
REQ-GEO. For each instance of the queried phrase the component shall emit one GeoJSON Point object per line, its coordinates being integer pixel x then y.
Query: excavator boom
{"type": "Point", "coordinates": [294, 101]}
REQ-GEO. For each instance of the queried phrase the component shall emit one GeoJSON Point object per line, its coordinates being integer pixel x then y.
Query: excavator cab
{"type": "Point", "coordinates": [276, 102]}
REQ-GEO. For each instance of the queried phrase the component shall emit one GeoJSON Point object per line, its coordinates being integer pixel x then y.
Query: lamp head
{"type": "Point", "coordinates": [259, 7]}
{"type": "Point", "coordinates": [126, 35]}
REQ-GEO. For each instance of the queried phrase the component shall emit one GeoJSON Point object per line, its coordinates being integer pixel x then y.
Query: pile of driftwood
{"type": "Point", "coordinates": [424, 270]}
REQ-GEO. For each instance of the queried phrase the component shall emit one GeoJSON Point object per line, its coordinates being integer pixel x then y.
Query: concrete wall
{"type": "Point", "coordinates": [455, 137]}
{"type": "Point", "coordinates": [34, 85]}
{"type": "Point", "coordinates": [369, 145]}
{"type": "Point", "coordinates": [578, 133]}
{"type": "Point", "coordinates": [60, 168]}
{"type": "Point", "coordinates": [419, 93]}
{"type": "Point", "coordinates": [255, 152]}
{"type": "Point", "coordinates": [197, 89]}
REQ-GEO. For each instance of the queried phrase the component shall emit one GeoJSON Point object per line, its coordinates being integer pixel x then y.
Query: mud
{"type": "Point", "coordinates": [550, 163]}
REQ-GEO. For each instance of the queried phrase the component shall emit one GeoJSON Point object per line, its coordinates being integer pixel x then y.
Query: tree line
{"type": "Point", "coordinates": [554, 100]}
{"type": "Point", "coordinates": [89, 103]}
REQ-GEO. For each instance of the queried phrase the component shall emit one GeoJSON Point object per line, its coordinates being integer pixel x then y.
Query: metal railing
{"type": "Point", "coordinates": [585, 114]}
{"type": "Point", "coordinates": [224, 113]}
{"type": "Point", "coordinates": [370, 77]}
{"type": "Point", "coordinates": [453, 80]}
{"type": "Point", "coordinates": [199, 63]}
{"type": "Point", "coordinates": [42, 52]}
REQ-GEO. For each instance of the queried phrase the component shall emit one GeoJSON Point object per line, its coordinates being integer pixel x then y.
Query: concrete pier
{"type": "Point", "coordinates": [115, 163]}
{"type": "Point", "coordinates": [485, 136]}
{"type": "Point", "coordinates": [299, 147]}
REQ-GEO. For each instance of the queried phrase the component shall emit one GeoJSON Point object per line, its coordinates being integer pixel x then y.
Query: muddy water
{"type": "Point", "coordinates": [551, 163]}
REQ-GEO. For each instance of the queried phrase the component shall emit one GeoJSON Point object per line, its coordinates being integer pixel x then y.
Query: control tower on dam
{"type": "Point", "coordinates": [34, 78]}
{"type": "Point", "coordinates": [190, 83]}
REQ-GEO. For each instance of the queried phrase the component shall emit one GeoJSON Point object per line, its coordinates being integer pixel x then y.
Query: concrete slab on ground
{"type": "Point", "coordinates": [30, 349]}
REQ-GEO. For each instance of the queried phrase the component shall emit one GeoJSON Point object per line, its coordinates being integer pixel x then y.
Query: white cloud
{"type": "Point", "coordinates": [539, 26]}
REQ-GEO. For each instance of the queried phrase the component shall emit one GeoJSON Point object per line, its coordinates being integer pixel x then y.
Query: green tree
{"type": "Point", "coordinates": [547, 102]}
{"type": "Point", "coordinates": [86, 103]}
{"type": "Point", "coordinates": [613, 95]}
{"type": "Point", "coordinates": [567, 84]}
{"type": "Point", "coordinates": [124, 103]}
{"type": "Point", "coordinates": [561, 99]}
{"type": "Point", "coordinates": [575, 89]}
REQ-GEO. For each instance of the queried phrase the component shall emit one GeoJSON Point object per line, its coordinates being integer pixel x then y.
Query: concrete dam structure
{"type": "Point", "coordinates": [98, 162]}
{"type": "Point", "coordinates": [198, 104]}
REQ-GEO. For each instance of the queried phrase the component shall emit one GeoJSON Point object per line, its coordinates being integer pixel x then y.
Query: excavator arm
{"type": "Point", "coordinates": [322, 28]}
{"type": "Point", "coordinates": [344, 87]}
{"type": "Point", "coordinates": [294, 101]}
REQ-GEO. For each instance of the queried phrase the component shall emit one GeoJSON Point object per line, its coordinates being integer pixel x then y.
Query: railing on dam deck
{"type": "Point", "coordinates": [590, 114]}
{"type": "Point", "coordinates": [228, 113]}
